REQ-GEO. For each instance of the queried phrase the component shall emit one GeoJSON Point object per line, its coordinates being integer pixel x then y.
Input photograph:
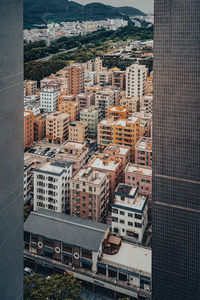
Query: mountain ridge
{"type": "Point", "coordinates": [45, 11]}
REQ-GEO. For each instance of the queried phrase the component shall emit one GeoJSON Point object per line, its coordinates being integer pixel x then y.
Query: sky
{"type": "Point", "coordinates": [144, 5]}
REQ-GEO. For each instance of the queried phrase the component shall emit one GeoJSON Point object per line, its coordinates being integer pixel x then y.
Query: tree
{"type": "Point", "coordinates": [57, 287]}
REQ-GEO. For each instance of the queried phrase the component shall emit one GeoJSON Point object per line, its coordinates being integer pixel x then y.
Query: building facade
{"type": "Point", "coordinates": [91, 116]}
{"type": "Point", "coordinates": [75, 79]}
{"type": "Point", "coordinates": [104, 100]}
{"type": "Point", "coordinates": [105, 132]}
{"type": "Point", "coordinates": [11, 149]}
{"type": "Point", "coordinates": [129, 213]}
{"type": "Point", "coordinates": [28, 129]}
{"type": "Point", "coordinates": [57, 128]}
{"type": "Point", "coordinates": [143, 152]}
{"type": "Point", "coordinates": [176, 144]}
{"type": "Point", "coordinates": [89, 194]}
{"type": "Point", "coordinates": [49, 99]}
{"type": "Point", "coordinates": [51, 186]}
{"type": "Point", "coordinates": [135, 81]}
{"type": "Point", "coordinates": [78, 131]}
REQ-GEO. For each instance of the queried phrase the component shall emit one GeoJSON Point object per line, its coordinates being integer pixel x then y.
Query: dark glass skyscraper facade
{"type": "Point", "coordinates": [176, 150]}
{"type": "Point", "coordinates": [11, 149]}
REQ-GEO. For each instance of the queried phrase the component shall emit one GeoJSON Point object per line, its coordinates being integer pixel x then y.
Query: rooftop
{"type": "Point", "coordinates": [55, 168]}
{"type": "Point", "coordinates": [131, 257]}
{"type": "Point", "coordinates": [104, 164]}
{"type": "Point", "coordinates": [134, 201]}
{"type": "Point", "coordinates": [109, 122]}
{"type": "Point", "coordinates": [121, 150]}
{"type": "Point", "coordinates": [133, 168]}
{"type": "Point", "coordinates": [89, 175]}
{"type": "Point", "coordinates": [144, 143]}
{"type": "Point", "coordinates": [68, 229]}
{"type": "Point", "coordinates": [124, 123]}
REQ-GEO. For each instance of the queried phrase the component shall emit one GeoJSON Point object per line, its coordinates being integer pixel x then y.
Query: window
{"type": "Point", "coordinates": [122, 198]}
{"type": "Point", "coordinates": [121, 221]}
{"type": "Point", "coordinates": [138, 225]}
{"type": "Point", "coordinates": [114, 219]}
{"type": "Point", "coordinates": [121, 213]}
{"type": "Point", "coordinates": [139, 217]}
{"type": "Point", "coordinates": [130, 215]}
{"type": "Point", "coordinates": [115, 210]}
{"type": "Point", "coordinates": [130, 223]}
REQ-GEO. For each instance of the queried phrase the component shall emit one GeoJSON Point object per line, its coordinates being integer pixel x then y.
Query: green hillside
{"type": "Point", "coordinates": [45, 11]}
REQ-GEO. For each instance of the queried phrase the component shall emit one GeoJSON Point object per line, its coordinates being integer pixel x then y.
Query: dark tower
{"type": "Point", "coordinates": [176, 151]}
{"type": "Point", "coordinates": [11, 149]}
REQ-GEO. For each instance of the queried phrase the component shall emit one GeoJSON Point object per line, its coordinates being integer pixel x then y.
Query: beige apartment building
{"type": "Point", "coordinates": [132, 103]}
{"type": "Point", "coordinates": [57, 128]}
{"type": "Point", "coordinates": [91, 116]}
{"type": "Point", "coordinates": [30, 87]}
{"type": "Point", "coordinates": [105, 132]}
{"type": "Point", "coordinates": [104, 100]}
{"type": "Point", "coordinates": [89, 197]}
{"type": "Point", "coordinates": [78, 131]}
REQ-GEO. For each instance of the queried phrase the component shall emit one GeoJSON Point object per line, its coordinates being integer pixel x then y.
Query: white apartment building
{"type": "Point", "coordinates": [51, 185]}
{"type": "Point", "coordinates": [104, 100]}
{"type": "Point", "coordinates": [129, 213]}
{"type": "Point", "coordinates": [49, 99]}
{"type": "Point", "coordinates": [136, 81]}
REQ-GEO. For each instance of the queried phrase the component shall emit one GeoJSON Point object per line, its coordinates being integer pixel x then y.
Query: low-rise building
{"type": "Point", "coordinates": [129, 213]}
{"type": "Point", "coordinates": [78, 131]}
{"type": "Point", "coordinates": [141, 177]}
{"type": "Point", "coordinates": [73, 152]}
{"type": "Point", "coordinates": [91, 116]}
{"type": "Point", "coordinates": [28, 129]}
{"type": "Point", "coordinates": [89, 194]}
{"type": "Point", "coordinates": [118, 151]}
{"type": "Point", "coordinates": [57, 128]}
{"type": "Point", "coordinates": [118, 112]}
{"type": "Point", "coordinates": [86, 249]}
{"type": "Point", "coordinates": [143, 152]}
{"type": "Point", "coordinates": [105, 132]}
{"type": "Point", "coordinates": [51, 185]}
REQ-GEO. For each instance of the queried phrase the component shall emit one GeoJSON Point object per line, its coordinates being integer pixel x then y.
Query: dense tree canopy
{"type": "Point", "coordinates": [57, 287]}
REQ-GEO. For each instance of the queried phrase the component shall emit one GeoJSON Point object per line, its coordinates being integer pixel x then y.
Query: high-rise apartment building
{"type": "Point", "coordinates": [75, 79]}
{"type": "Point", "coordinates": [135, 80]}
{"type": "Point", "coordinates": [30, 87]}
{"type": "Point", "coordinates": [11, 150]}
{"type": "Point", "coordinates": [176, 154]}
{"type": "Point", "coordinates": [104, 100]}
{"type": "Point", "coordinates": [70, 108]}
{"type": "Point", "coordinates": [105, 132]}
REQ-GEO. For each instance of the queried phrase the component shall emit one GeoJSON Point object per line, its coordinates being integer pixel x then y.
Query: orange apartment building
{"type": "Point", "coordinates": [127, 133]}
{"type": "Point", "coordinates": [89, 196]}
{"type": "Point", "coordinates": [39, 127]}
{"type": "Point", "coordinates": [75, 79]}
{"type": "Point", "coordinates": [70, 108]}
{"type": "Point", "coordinates": [57, 128]}
{"type": "Point", "coordinates": [118, 112]}
{"type": "Point", "coordinates": [28, 128]}
{"type": "Point", "coordinates": [78, 131]}
{"type": "Point", "coordinates": [112, 165]}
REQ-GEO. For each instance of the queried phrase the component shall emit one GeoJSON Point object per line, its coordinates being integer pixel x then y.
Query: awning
{"type": "Point", "coordinates": [114, 240]}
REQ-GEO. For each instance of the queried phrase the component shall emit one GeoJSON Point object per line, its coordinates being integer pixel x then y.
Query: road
{"type": "Point", "coordinates": [50, 55]}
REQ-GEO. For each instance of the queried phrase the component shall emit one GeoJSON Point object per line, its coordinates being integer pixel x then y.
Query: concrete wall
{"type": "Point", "coordinates": [11, 149]}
